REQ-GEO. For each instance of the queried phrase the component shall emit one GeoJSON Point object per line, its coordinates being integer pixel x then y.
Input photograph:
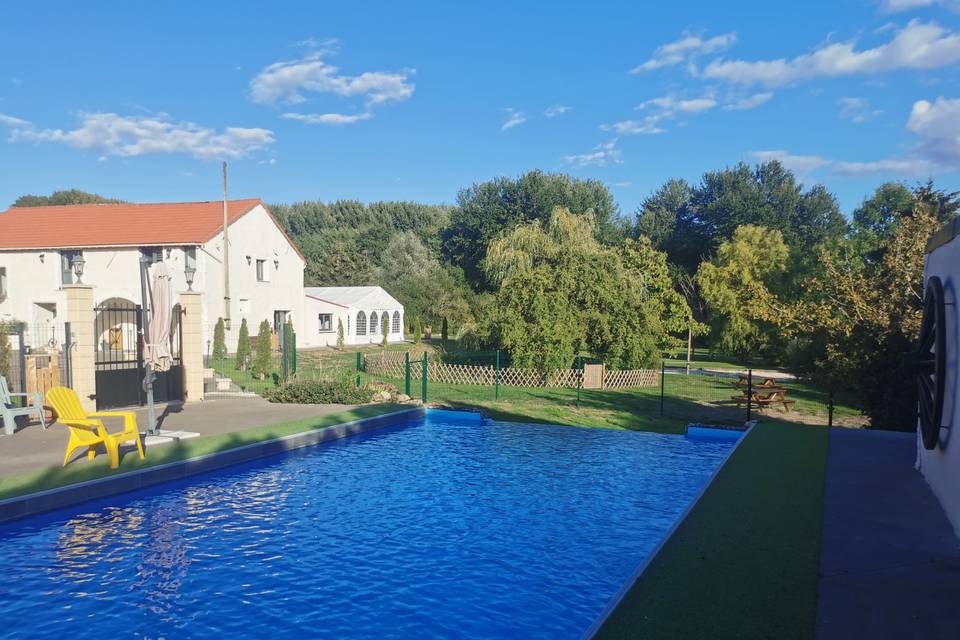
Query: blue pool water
{"type": "Point", "coordinates": [442, 528]}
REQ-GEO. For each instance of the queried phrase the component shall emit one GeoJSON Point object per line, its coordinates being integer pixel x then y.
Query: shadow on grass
{"type": "Point", "coordinates": [81, 470]}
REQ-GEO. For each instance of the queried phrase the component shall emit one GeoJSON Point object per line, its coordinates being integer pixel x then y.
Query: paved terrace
{"type": "Point", "coordinates": [889, 561]}
{"type": "Point", "coordinates": [32, 448]}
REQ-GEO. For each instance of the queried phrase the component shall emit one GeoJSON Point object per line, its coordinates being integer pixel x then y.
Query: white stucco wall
{"type": "Point", "coordinates": [941, 466]}
{"type": "Point", "coordinates": [33, 279]}
{"type": "Point", "coordinates": [257, 236]}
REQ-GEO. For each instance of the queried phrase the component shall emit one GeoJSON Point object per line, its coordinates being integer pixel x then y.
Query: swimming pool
{"type": "Point", "coordinates": [445, 527]}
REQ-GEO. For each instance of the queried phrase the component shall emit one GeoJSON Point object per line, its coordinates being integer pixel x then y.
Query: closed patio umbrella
{"type": "Point", "coordinates": [156, 351]}
{"type": "Point", "coordinates": [156, 347]}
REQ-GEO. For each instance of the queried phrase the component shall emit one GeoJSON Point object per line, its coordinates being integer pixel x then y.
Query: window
{"type": "Point", "coordinates": [262, 274]}
{"type": "Point", "coordinates": [396, 322]}
{"type": "Point", "coordinates": [361, 323]}
{"type": "Point", "coordinates": [3, 284]}
{"type": "Point", "coordinates": [153, 254]}
{"type": "Point", "coordinates": [66, 266]}
{"type": "Point", "coordinates": [373, 323]}
{"type": "Point", "coordinates": [326, 322]}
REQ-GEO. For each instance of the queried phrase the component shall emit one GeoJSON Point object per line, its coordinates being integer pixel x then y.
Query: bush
{"type": "Point", "coordinates": [5, 349]}
{"type": "Point", "coordinates": [262, 361]}
{"type": "Point", "coordinates": [320, 392]}
{"type": "Point", "coordinates": [243, 346]}
{"type": "Point", "coordinates": [219, 342]}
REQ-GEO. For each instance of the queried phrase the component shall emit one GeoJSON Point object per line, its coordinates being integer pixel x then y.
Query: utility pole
{"type": "Point", "coordinates": [226, 255]}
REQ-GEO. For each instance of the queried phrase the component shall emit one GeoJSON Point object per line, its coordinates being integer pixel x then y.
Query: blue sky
{"type": "Point", "coordinates": [378, 101]}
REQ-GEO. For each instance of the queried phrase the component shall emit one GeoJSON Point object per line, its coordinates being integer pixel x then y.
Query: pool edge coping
{"type": "Point", "coordinates": [30, 504]}
{"type": "Point", "coordinates": [614, 603]}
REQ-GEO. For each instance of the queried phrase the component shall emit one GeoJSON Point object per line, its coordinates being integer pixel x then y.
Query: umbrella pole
{"type": "Point", "coordinates": [148, 377]}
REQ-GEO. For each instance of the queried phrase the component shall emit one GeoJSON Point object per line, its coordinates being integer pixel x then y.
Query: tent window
{"type": "Point", "coordinates": [361, 323]}
{"type": "Point", "coordinates": [396, 322]}
{"type": "Point", "coordinates": [373, 323]}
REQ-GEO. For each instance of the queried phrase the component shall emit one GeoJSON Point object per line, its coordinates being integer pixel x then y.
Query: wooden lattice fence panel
{"type": "Point", "coordinates": [631, 379]}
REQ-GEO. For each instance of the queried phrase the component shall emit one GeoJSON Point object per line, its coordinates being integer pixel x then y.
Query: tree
{"type": "Point", "coordinates": [861, 316]}
{"type": "Point", "coordinates": [340, 333]}
{"type": "Point", "coordinates": [262, 360]}
{"type": "Point", "coordinates": [417, 330]}
{"type": "Point", "coordinates": [744, 276]}
{"type": "Point", "coordinates": [71, 196]}
{"type": "Point", "coordinates": [5, 349]}
{"type": "Point", "coordinates": [878, 217]}
{"type": "Point", "coordinates": [561, 291]}
{"type": "Point", "coordinates": [243, 345]}
{"type": "Point", "coordinates": [444, 330]}
{"type": "Point", "coordinates": [660, 213]}
{"type": "Point", "coordinates": [219, 342]}
{"type": "Point", "coordinates": [487, 209]}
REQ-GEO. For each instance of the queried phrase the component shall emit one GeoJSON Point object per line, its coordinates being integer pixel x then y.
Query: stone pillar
{"type": "Point", "coordinates": [191, 327]}
{"type": "Point", "coordinates": [81, 316]}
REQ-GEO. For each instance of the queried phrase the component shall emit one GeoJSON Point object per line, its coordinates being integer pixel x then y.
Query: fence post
{"type": "Point", "coordinates": [830, 408]}
{"type": "Point", "coordinates": [285, 355]}
{"type": "Point", "coordinates": [749, 393]}
{"type": "Point", "coordinates": [663, 370]}
{"type": "Point", "coordinates": [406, 371]}
{"type": "Point", "coordinates": [580, 380]}
{"type": "Point", "coordinates": [359, 365]}
{"type": "Point", "coordinates": [23, 363]}
{"type": "Point", "coordinates": [496, 377]}
{"type": "Point", "coordinates": [67, 345]}
{"type": "Point", "coordinates": [293, 352]}
{"type": "Point", "coordinates": [423, 382]}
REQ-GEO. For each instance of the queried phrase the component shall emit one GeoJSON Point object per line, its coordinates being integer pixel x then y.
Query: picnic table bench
{"type": "Point", "coordinates": [765, 396]}
{"type": "Point", "coordinates": [744, 380]}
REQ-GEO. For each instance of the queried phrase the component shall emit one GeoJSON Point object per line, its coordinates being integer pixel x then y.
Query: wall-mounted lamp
{"type": "Point", "coordinates": [249, 260]}
{"type": "Point", "coordinates": [42, 256]}
{"type": "Point", "coordinates": [78, 264]}
{"type": "Point", "coordinates": [189, 272]}
{"type": "Point", "coordinates": [276, 263]}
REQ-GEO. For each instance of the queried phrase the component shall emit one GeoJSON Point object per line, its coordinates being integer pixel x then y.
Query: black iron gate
{"type": "Point", "coordinates": [119, 366]}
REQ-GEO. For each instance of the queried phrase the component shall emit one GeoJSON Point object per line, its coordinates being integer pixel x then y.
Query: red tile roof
{"type": "Point", "coordinates": [117, 225]}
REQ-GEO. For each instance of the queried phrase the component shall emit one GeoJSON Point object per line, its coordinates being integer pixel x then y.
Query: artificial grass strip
{"type": "Point", "coordinates": [41, 480]}
{"type": "Point", "coordinates": [744, 563]}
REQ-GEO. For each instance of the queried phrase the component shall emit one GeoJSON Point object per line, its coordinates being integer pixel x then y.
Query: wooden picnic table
{"type": "Point", "coordinates": [766, 396]}
{"type": "Point", "coordinates": [744, 380]}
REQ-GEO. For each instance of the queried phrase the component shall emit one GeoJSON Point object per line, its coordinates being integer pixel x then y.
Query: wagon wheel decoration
{"type": "Point", "coordinates": [928, 363]}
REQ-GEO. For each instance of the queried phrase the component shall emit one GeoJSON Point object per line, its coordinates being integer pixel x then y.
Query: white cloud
{"type": "Point", "coordinates": [647, 126]}
{"type": "Point", "coordinates": [556, 110]}
{"type": "Point", "coordinates": [896, 6]}
{"type": "Point", "coordinates": [10, 121]}
{"type": "Point", "coordinates": [289, 80]}
{"type": "Point", "coordinates": [671, 105]}
{"type": "Point", "coordinates": [749, 102]}
{"type": "Point", "coordinates": [514, 119]}
{"type": "Point", "coordinates": [601, 156]}
{"type": "Point", "coordinates": [328, 118]}
{"type": "Point", "coordinates": [797, 163]}
{"type": "Point", "coordinates": [625, 184]}
{"type": "Point", "coordinates": [856, 109]}
{"type": "Point", "coordinates": [917, 46]}
{"type": "Point", "coordinates": [687, 48]}
{"type": "Point", "coordinates": [937, 124]}
{"type": "Point", "coordinates": [114, 135]}
{"type": "Point", "coordinates": [900, 166]}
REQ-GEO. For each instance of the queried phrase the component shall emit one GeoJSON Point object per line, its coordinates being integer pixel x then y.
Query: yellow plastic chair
{"type": "Point", "coordinates": [88, 430]}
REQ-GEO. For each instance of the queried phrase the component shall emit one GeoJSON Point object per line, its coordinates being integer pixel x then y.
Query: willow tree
{"type": "Point", "coordinates": [562, 292]}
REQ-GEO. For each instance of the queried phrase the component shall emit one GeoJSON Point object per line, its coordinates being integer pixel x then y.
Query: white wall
{"type": "Point", "coordinates": [941, 466]}
{"type": "Point", "coordinates": [34, 279]}
{"type": "Point", "coordinates": [255, 235]}
{"type": "Point", "coordinates": [311, 336]}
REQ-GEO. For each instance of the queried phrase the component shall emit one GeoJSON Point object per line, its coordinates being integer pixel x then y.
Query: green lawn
{"type": "Point", "coordinates": [32, 481]}
{"type": "Point", "coordinates": [744, 564]}
{"type": "Point", "coordinates": [688, 398]}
